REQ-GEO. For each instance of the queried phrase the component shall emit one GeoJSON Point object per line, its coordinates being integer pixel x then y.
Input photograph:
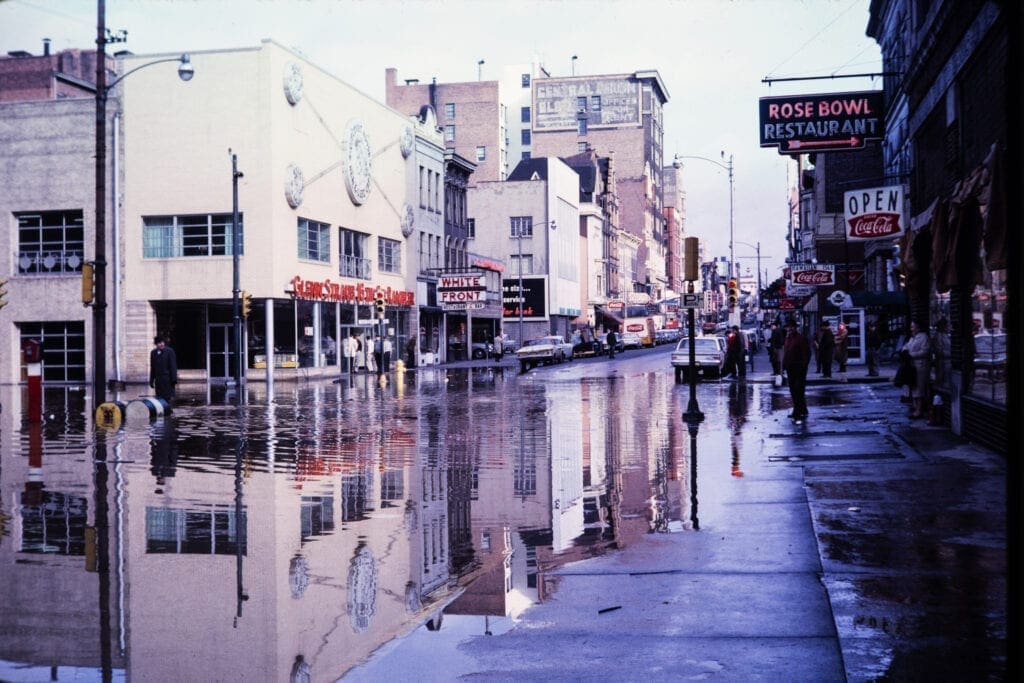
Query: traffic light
{"type": "Point", "coordinates": [88, 283]}
{"type": "Point", "coordinates": [3, 293]}
{"type": "Point", "coordinates": [378, 302]}
{"type": "Point", "coordinates": [246, 303]}
{"type": "Point", "coordinates": [734, 293]}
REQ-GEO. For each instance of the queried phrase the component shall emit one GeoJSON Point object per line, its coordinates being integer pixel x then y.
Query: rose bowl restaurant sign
{"type": "Point", "coordinates": [803, 124]}
{"type": "Point", "coordinates": [875, 213]}
{"type": "Point", "coordinates": [814, 275]}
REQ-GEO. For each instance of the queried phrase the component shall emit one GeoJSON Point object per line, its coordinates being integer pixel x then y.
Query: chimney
{"type": "Point", "coordinates": [46, 47]}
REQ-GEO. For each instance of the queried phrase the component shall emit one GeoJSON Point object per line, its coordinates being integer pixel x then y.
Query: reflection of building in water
{"type": "Point", "coordinates": [51, 607]}
{"type": "Point", "coordinates": [343, 550]}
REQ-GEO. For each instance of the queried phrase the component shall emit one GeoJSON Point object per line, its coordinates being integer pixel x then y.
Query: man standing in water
{"type": "Point", "coordinates": [163, 369]}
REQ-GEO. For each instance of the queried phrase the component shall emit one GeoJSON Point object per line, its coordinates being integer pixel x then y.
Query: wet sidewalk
{"type": "Point", "coordinates": [859, 546]}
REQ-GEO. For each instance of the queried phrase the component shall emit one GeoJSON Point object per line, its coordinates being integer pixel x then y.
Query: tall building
{"type": "Point", "coordinates": [618, 114]}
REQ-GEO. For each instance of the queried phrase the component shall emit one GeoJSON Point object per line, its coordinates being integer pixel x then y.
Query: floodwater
{"type": "Point", "coordinates": [291, 537]}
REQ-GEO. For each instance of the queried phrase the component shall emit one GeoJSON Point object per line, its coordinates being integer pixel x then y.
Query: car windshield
{"type": "Point", "coordinates": [540, 342]}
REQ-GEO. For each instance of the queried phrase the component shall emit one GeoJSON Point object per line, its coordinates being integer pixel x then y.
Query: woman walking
{"type": "Point", "coordinates": [919, 348]}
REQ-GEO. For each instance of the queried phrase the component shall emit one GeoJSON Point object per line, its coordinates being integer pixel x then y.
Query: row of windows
{"type": "Point", "coordinates": [50, 242]}
{"type": "Point", "coordinates": [430, 189]}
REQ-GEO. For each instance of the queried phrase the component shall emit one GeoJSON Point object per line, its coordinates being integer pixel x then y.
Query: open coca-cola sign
{"type": "Point", "coordinates": [874, 213]}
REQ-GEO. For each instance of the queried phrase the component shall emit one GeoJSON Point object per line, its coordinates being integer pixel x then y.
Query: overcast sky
{"type": "Point", "coordinates": [712, 55]}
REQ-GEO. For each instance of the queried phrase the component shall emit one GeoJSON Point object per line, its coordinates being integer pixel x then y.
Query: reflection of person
{"type": "Point", "coordinates": [410, 353]}
{"type": "Point", "coordinates": [163, 369]}
{"type": "Point", "coordinates": [826, 347]}
{"type": "Point", "coordinates": [919, 348]}
{"type": "Point", "coordinates": [872, 342]}
{"type": "Point", "coordinates": [164, 447]}
{"type": "Point", "coordinates": [796, 357]}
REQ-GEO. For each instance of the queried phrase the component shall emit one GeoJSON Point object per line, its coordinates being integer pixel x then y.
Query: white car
{"type": "Point", "coordinates": [631, 340]}
{"type": "Point", "coordinates": [709, 358]}
{"type": "Point", "coordinates": [543, 351]}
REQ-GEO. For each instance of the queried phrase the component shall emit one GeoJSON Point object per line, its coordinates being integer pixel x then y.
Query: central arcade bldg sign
{"type": "Point", "coordinates": [804, 124]}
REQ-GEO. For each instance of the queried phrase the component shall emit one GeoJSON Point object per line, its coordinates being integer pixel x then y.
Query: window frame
{"type": "Point", "coordinates": [449, 111]}
{"type": "Point", "coordinates": [181, 235]}
{"type": "Point", "coordinates": [389, 255]}
{"type": "Point", "coordinates": [352, 261]}
{"type": "Point", "coordinates": [321, 253]}
{"type": "Point", "coordinates": [520, 226]}
{"type": "Point", "coordinates": [58, 247]}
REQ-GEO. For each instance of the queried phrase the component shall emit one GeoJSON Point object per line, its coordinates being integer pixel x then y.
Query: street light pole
{"type": "Point", "coordinates": [519, 265]}
{"type": "Point", "coordinates": [728, 167]}
{"type": "Point", "coordinates": [236, 288]}
{"type": "Point", "coordinates": [99, 311]}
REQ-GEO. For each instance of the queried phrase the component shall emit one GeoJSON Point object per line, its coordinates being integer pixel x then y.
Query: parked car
{"type": "Point", "coordinates": [631, 340]}
{"type": "Point", "coordinates": [543, 351]}
{"type": "Point", "coordinates": [667, 335]}
{"type": "Point", "coordinates": [709, 357]}
{"type": "Point", "coordinates": [586, 343]}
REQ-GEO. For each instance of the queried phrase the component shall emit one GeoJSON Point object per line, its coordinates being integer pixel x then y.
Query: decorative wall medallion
{"type": "Point", "coordinates": [294, 184]}
{"type": "Point", "coordinates": [358, 162]}
{"type": "Point", "coordinates": [298, 576]}
{"type": "Point", "coordinates": [292, 83]}
{"type": "Point", "coordinates": [362, 589]}
{"type": "Point", "coordinates": [405, 143]}
{"type": "Point", "coordinates": [408, 219]}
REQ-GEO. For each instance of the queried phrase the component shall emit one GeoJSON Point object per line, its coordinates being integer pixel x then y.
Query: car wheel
{"type": "Point", "coordinates": [477, 354]}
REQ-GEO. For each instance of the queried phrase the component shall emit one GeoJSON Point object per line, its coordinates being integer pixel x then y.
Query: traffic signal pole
{"type": "Point", "coordinates": [236, 289]}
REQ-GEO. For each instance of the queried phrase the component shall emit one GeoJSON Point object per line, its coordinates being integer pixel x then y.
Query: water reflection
{"type": "Point", "coordinates": [322, 520]}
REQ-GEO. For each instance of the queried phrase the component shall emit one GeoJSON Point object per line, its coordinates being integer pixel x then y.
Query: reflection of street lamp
{"type": "Point", "coordinates": [519, 266]}
{"type": "Point", "coordinates": [99, 311]}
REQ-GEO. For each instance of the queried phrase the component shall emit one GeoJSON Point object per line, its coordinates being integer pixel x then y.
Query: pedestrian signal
{"type": "Point", "coordinates": [734, 293]}
{"type": "Point", "coordinates": [246, 304]}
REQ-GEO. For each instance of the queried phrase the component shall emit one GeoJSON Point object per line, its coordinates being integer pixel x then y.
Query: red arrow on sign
{"type": "Point", "coordinates": [854, 141]}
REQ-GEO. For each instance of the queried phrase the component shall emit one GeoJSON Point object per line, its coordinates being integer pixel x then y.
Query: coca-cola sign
{"type": "Point", "coordinates": [875, 213]}
{"type": "Point", "coordinates": [815, 275]}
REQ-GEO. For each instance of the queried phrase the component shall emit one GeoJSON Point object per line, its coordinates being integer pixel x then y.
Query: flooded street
{"type": "Point", "coordinates": [325, 522]}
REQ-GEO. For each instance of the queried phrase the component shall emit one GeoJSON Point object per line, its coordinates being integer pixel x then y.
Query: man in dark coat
{"type": "Point", "coordinates": [734, 361]}
{"type": "Point", "coordinates": [796, 356]}
{"type": "Point", "coordinates": [826, 348]}
{"type": "Point", "coordinates": [775, 343]}
{"type": "Point", "coordinates": [163, 369]}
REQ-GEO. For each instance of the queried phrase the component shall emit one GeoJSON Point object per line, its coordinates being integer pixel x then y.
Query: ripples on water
{"type": "Point", "coordinates": [295, 536]}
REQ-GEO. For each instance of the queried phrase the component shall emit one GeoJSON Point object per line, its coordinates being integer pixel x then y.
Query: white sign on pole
{"type": "Point", "coordinates": [689, 300]}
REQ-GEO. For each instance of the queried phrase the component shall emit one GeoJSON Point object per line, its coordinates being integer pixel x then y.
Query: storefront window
{"type": "Point", "coordinates": [988, 316]}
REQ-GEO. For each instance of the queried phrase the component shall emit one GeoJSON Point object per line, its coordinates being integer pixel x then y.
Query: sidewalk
{"type": "Point", "coordinates": [860, 546]}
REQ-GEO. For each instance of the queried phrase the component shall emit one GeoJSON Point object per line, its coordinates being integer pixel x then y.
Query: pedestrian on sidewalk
{"type": "Point", "coordinates": [735, 363]}
{"type": "Point", "coordinates": [610, 339]}
{"type": "Point", "coordinates": [826, 348]}
{"type": "Point", "coordinates": [378, 354]}
{"type": "Point", "coordinates": [410, 353]}
{"type": "Point", "coordinates": [775, 343]}
{"type": "Point", "coordinates": [796, 357]}
{"type": "Point", "coordinates": [499, 347]}
{"type": "Point", "coordinates": [387, 347]}
{"type": "Point", "coordinates": [842, 340]}
{"type": "Point", "coordinates": [919, 349]}
{"type": "Point", "coordinates": [872, 342]}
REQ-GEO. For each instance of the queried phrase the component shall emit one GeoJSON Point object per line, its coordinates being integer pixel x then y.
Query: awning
{"type": "Point", "coordinates": [869, 299]}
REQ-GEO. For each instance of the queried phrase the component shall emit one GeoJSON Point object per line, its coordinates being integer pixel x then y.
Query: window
{"type": "Point", "coordinates": [581, 125]}
{"type": "Point", "coordinates": [63, 348]}
{"type": "Point", "coordinates": [481, 153]}
{"type": "Point", "coordinates": [524, 115]}
{"type": "Point", "coordinates": [314, 241]}
{"type": "Point", "coordinates": [524, 136]}
{"type": "Point", "coordinates": [202, 235]}
{"type": "Point", "coordinates": [525, 79]}
{"type": "Point", "coordinates": [50, 242]}
{"type": "Point", "coordinates": [352, 254]}
{"type": "Point", "coordinates": [471, 227]}
{"type": "Point", "coordinates": [520, 226]}
{"type": "Point", "coordinates": [449, 111]}
{"type": "Point", "coordinates": [525, 155]}
{"type": "Point", "coordinates": [595, 103]}
{"type": "Point", "coordinates": [521, 260]}
{"type": "Point", "coordinates": [581, 103]}
{"type": "Point", "coordinates": [582, 146]}
{"type": "Point", "coordinates": [423, 187]}
{"type": "Point", "coordinates": [449, 133]}
{"type": "Point", "coordinates": [389, 255]}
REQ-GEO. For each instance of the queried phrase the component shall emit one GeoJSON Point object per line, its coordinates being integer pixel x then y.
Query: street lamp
{"type": "Point", "coordinates": [728, 167]}
{"type": "Point", "coordinates": [519, 267]}
{"type": "Point", "coordinates": [99, 311]}
{"type": "Point", "coordinates": [757, 249]}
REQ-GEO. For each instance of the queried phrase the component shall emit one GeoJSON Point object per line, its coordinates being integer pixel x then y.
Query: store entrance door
{"type": "Point", "coordinates": [221, 358]}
